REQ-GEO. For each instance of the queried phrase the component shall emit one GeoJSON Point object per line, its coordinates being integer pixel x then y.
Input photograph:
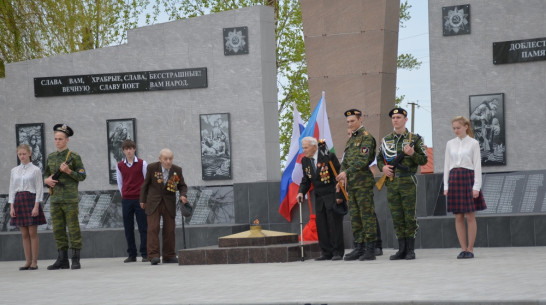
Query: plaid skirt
{"type": "Point", "coordinates": [459, 195]}
{"type": "Point", "coordinates": [23, 205]}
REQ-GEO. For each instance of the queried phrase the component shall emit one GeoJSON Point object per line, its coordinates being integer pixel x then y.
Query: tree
{"type": "Point", "coordinates": [36, 29]}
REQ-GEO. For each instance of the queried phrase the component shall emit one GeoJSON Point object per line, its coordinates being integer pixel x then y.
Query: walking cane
{"type": "Point", "coordinates": [183, 232]}
{"type": "Point", "coordinates": [300, 200]}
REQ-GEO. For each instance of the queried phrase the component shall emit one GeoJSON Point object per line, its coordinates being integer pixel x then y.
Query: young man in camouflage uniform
{"type": "Point", "coordinates": [64, 197]}
{"type": "Point", "coordinates": [355, 174]}
{"type": "Point", "coordinates": [401, 191]}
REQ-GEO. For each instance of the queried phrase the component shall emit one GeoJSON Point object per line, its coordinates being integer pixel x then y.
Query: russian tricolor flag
{"type": "Point", "coordinates": [318, 128]}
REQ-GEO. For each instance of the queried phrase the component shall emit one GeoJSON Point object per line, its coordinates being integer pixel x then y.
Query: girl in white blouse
{"type": "Point", "coordinates": [463, 182]}
{"type": "Point", "coordinates": [26, 189]}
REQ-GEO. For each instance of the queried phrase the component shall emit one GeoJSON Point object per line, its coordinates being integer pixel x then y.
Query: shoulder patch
{"type": "Point", "coordinates": [365, 150]}
{"type": "Point", "coordinates": [81, 171]}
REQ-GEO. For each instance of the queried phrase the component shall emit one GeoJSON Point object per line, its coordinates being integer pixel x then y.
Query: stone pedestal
{"type": "Point", "coordinates": [253, 246]}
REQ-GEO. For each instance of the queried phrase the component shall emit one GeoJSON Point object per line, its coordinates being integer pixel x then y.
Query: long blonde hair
{"type": "Point", "coordinates": [465, 122]}
{"type": "Point", "coordinates": [27, 148]}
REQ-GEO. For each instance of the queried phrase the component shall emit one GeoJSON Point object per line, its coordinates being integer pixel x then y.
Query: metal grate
{"type": "Point", "coordinates": [99, 212]}
{"type": "Point", "coordinates": [202, 211]}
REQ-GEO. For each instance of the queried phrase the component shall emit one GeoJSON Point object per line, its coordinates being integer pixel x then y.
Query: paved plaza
{"type": "Point", "coordinates": [495, 276]}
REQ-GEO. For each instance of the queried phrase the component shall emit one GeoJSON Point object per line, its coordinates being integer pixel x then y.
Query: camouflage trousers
{"type": "Point", "coordinates": [362, 211]}
{"type": "Point", "coordinates": [66, 215]}
{"type": "Point", "coordinates": [401, 195]}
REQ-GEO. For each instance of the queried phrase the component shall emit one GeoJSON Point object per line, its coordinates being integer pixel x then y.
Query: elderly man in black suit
{"type": "Point", "coordinates": [329, 206]}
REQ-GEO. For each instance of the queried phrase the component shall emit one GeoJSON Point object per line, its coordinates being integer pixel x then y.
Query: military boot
{"type": "Point", "coordinates": [369, 252]}
{"type": "Point", "coordinates": [401, 254]}
{"type": "Point", "coordinates": [76, 259]}
{"type": "Point", "coordinates": [61, 262]}
{"type": "Point", "coordinates": [355, 254]}
{"type": "Point", "coordinates": [410, 246]}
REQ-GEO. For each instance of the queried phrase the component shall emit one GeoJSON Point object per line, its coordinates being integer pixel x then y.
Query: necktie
{"type": "Point", "coordinates": [165, 176]}
{"type": "Point", "coordinates": [313, 164]}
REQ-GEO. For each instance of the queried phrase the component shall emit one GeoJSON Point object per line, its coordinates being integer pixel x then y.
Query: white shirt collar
{"type": "Point", "coordinates": [134, 161]}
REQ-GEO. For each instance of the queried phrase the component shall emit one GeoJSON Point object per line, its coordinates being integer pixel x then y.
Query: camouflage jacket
{"type": "Point", "coordinates": [67, 188]}
{"type": "Point", "coordinates": [396, 142]}
{"type": "Point", "coordinates": [359, 154]}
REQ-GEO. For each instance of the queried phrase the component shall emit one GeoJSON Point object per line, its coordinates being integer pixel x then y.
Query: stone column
{"type": "Point", "coordinates": [351, 48]}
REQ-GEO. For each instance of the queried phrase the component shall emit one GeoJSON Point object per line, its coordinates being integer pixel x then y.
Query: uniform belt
{"type": "Point", "coordinates": [398, 174]}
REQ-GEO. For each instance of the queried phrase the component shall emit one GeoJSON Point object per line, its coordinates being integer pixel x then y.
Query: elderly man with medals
{"type": "Point", "coordinates": [319, 167]}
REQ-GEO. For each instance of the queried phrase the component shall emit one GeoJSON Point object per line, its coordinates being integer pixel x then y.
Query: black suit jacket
{"type": "Point", "coordinates": [323, 179]}
{"type": "Point", "coordinates": [153, 191]}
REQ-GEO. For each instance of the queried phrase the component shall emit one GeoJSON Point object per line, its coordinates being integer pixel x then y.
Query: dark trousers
{"type": "Point", "coordinates": [329, 228]}
{"type": "Point", "coordinates": [131, 208]}
{"type": "Point", "coordinates": [167, 233]}
{"type": "Point", "coordinates": [378, 242]}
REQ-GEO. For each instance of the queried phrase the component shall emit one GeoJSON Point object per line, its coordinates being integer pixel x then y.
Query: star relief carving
{"type": "Point", "coordinates": [456, 20]}
{"type": "Point", "coordinates": [235, 41]}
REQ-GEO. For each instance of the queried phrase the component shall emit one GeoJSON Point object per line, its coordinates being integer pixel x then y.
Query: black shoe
{"type": "Point", "coordinates": [155, 261]}
{"type": "Point", "coordinates": [172, 260]}
{"type": "Point", "coordinates": [401, 253]}
{"type": "Point", "coordinates": [130, 259]}
{"type": "Point", "coordinates": [356, 253]}
{"type": "Point", "coordinates": [336, 257]}
{"type": "Point", "coordinates": [61, 262]}
{"type": "Point", "coordinates": [24, 268]}
{"type": "Point", "coordinates": [369, 253]}
{"type": "Point", "coordinates": [378, 251]}
{"type": "Point", "coordinates": [75, 259]}
{"type": "Point", "coordinates": [323, 258]}
{"type": "Point", "coordinates": [461, 255]}
{"type": "Point", "coordinates": [469, 254]}
{"type": "Point", "coordinates": [410, 247]}
{"type": "Point", "coordinates": [33, 268]}
{"type": "Point", "coordinates": [145, 259]}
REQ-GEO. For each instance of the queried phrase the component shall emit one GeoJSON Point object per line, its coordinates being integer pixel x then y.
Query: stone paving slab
{"type": "Point", "coordinates": [495, 276]}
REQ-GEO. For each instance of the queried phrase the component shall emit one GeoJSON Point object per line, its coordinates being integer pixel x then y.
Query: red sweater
{"type": "Point", "coordinates": [132, 179]}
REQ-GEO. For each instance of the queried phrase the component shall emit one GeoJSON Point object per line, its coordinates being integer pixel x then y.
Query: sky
{"type": "Point", "coordinates": [415, 85]}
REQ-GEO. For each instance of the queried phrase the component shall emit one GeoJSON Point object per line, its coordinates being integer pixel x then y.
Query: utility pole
{"type": "Point", "coordinates": [412, 114]}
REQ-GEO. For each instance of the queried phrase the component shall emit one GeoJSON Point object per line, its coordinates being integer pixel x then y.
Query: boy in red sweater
{"type": "Point", "coordinates": [130, 173]}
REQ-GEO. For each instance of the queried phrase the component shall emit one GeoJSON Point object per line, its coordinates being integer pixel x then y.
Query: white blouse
{"type": "Point", "coordinates": [463, 153]}
{"type": "Point", "coordinates": [26, 178]}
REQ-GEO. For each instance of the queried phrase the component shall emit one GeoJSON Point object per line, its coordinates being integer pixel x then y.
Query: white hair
{"type": "Point", "coordinates": [165, 152]}
{"type": "Point", "coordinates": [312, 141]}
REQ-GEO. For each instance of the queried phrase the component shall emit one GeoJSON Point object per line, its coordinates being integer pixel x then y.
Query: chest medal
{"type": "Point", "coordinates": [324, 174]}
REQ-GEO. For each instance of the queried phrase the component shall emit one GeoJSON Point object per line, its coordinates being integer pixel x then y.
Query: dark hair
{"type": "Point", "coordinates": [128, 144]}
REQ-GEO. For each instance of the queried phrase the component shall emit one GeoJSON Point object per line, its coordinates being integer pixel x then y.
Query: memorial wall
{"type": "Point", "coordinates": [204, 87]}
{"type": "Point", "coordinates": [488, 63]}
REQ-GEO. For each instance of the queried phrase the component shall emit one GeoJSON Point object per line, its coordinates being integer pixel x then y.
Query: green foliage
{"type": "Point", "coordinates": [36, 29]}
{"type": "Point", "coordinates": [404, 12]}
{"type": "Point", "coordinates": [408, 62]}
{"type": "Point", "coordinates": [405, 61]}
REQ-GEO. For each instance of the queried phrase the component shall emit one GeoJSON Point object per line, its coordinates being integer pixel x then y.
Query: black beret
{"type": "Point", "coordinates": [398, 110]}
{"type": "Point", "coordinates": [64, 128]}
{"type": "Point", "coordinates": [353, 112]}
